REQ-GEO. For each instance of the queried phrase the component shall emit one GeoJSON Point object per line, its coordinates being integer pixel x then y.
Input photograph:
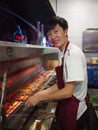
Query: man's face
{"type": "Point", "coordinates": [57, 36]}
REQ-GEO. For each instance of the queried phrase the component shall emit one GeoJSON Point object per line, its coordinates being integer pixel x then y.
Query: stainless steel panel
{"type": "Point", "coordinates": [11, 50]}
{"type": "Point", "coordinates": [90, 40]}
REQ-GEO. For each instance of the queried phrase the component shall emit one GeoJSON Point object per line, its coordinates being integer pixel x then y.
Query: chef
{"type": "Point", "coordinates": [71, 89]}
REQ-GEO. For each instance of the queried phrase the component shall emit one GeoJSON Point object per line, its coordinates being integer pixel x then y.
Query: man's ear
{"type": "Point", "coordinates": [66, 32]}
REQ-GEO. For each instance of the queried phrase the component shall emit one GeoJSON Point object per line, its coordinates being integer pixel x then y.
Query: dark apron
{"type": "Point", "coordinates": [67, 108]}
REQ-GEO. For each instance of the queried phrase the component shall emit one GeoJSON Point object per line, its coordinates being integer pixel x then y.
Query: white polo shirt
{"type": "Point", "coordinates": [74, 69]}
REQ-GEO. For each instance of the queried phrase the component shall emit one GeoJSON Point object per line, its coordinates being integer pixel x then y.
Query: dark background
{"type": "Point", "coordinates": [30, 10]}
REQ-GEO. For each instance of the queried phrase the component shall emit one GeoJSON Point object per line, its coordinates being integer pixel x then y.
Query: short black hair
{"type": "Point", "coordinates": [53, 21]}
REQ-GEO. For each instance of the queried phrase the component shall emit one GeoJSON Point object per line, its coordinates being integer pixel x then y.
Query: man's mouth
{"type": "Point", "coordinates": [54, 43]}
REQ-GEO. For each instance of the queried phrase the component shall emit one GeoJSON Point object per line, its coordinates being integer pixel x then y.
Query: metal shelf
{"type": "Point", "coordinates": [90, 51]}
{"type": "Point", "coordinates": [12, 50]}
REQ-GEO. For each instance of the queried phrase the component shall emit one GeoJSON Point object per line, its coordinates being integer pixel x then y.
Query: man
{"type": "Point", "coordinates": [71, 88]}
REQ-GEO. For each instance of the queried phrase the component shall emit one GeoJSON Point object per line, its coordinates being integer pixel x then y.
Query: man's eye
{"type": "Point", "coordinates": [48, 34]}
{"type": "Point", "coordinates": [55, 31]}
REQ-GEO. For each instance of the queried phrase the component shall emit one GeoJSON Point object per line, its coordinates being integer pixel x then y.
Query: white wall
{"type": "Point", "coordinates": [80, 14]}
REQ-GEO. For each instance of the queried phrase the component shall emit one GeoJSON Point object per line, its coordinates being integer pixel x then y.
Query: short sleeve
{"type": "Point", "coordinates": [74, 66]}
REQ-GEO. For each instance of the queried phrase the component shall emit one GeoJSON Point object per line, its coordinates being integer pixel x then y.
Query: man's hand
{"type": "Point", "coordinates": [33, 100]}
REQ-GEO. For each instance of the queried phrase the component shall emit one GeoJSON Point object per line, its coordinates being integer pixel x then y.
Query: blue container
{"type": "Point", "coordinates": [92, 72]}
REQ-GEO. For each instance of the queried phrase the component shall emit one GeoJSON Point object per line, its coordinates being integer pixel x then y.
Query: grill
{"type": "Point", "coordinates": [25, 76]}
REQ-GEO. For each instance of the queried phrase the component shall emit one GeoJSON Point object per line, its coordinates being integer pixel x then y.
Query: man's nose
{"type": "Point", "coordinates": [53, 36]}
